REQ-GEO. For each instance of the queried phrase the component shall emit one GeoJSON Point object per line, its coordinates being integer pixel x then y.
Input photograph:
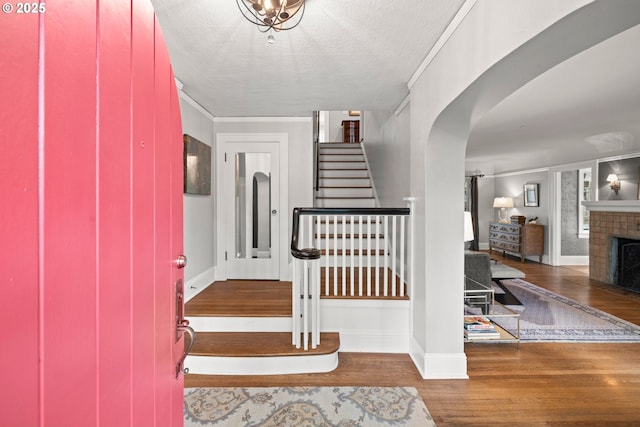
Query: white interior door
{"type": "Point", "coordinates": [251, 210]}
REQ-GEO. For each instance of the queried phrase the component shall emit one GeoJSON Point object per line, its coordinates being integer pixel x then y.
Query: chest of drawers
{"type": "Point", "coordinates": [523, 240]}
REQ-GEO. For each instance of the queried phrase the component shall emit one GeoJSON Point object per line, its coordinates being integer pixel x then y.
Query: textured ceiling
{"type": "Point", "coordinates": [356, 54]}
{"type": "Point", "coordinates": [585, 108]}
{"type": "Point", "coordinates": [360, 54]}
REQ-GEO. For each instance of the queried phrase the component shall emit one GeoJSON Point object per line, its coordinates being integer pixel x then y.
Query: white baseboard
{"type": "Point", "coordinates": [483, 246]}
{"type": "Point", "coordinates": [574, 260]}
{"type": "Point", "coordinates": [199, 283]}
{"type": "Point", "coordinates": [215, 365]}
{"type": "Point", "coordinates": [442, 366]}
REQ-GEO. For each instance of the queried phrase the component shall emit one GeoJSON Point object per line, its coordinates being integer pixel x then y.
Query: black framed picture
{"type": "Point", "coordinates": [197, 166]}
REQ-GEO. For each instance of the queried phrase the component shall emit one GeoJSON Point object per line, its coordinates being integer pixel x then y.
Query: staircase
{"type": "Point", "coordinates": [344, 180]}
{"type": "Point", "coordinates": [244, 328]}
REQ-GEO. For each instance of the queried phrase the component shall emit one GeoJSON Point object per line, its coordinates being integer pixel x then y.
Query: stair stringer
{"type": "Point", "coordinates": [368, 325]}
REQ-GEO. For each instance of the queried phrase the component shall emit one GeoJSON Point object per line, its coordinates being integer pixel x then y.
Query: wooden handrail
{"type": "Point", "coordinates": [314, 253]}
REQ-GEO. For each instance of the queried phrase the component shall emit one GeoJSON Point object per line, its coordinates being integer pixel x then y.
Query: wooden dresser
{"type": "Point", "coordinates": [524, 240]}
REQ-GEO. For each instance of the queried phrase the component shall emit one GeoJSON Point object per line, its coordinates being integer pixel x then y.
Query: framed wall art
{"type": "Point", "coordinates": [197, 166]}
{"type": "Point", "coordinates": [531, 195]}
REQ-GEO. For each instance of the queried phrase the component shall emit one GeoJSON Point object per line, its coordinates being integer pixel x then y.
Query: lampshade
{"type": "Point", "coordinates": [612, 177]}
{"type": "Point", "coordinates": [503, 202]}
{"type": "Point", "coordinates": [468, 227]}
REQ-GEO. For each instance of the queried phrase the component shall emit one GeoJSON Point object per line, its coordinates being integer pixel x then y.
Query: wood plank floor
{"type": "Point", "coordinates": [533, 384]}
{"type": "Point", "coordinates": [264, 344]}
{"type": "Point", "coordinates": [235, 298]}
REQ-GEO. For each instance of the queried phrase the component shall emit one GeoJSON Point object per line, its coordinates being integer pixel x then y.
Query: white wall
{"type": "Point", "coordinates": [512, 186]}
{"type": "Point", "coordinates": [199, 211]}
{"type": "Point", "coordinates": [334, 125]}
{"type": "Point", "coordinates": [387, 147]}
{"type": "Point", "coordinates": [300, 187]}
{"type": "Point", "coordinates": [497, 48]}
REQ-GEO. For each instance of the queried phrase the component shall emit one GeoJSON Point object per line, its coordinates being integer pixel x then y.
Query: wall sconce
{"type": "Point", "coordinates": [503, 203]}
{"type": "Point", "coordinates": [614, 182]}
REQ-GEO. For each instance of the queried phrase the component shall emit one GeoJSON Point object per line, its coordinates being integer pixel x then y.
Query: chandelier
{"type": "Point", "coordinates": [272, 14]}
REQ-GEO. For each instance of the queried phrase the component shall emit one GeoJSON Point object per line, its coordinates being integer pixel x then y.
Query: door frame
{"type": "Point", "coordinates": [555, 214]}
{"type": "Point", "coordinates": [225, 142]}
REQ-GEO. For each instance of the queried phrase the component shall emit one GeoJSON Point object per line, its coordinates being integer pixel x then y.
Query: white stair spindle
{"type": "Point", "coordinates": [368, 237]}
{"type": "Point", "coordinates": [352, 256]}
{"type": "Point", "coordinates": [295, 306]}
{"type": "Point", "coordinates": [344, 256]}
{"type": "Point", "coordinates": [305, 307]}
{"type": "Point", "coordinates": [386, 256]}
{"type": "Point", "coordinates": [335, 255]}
{"type": "Point", "coordinates": [360, 250]}
{"type": "Point", "coordinates": [394, 239]}
{"type": "Point", "coordinates": [317, 304]}
{"type": "Point", "coordinates": [377, 256]}
{"type": "Point", "coordinates": [326, 255]}
{"type": "Point", "coordinates": [402, 268]}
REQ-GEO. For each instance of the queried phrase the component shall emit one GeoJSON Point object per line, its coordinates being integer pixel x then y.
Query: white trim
{"type": "Point", "coordinates": [222, 140]}
{"type": "Point", "coordinates": [620, 157]}
{"type": "Point", "coordinates": [515, 173]}
{"type": "Point", "coordinates": [240, 324]}
{"type": "Point", "coordinates": [200, 283]}
{"type": "Point", "coordinates": [442, 40]}
{"type": "Point", "coordinates": [573, 260]}
{"type": "Point", "coordinates": [215, 365]}
{"type": "Point", "coordinates": [416, 352]}
{"type": "Point", "coordinates": [403, 104]}
{"type": "Point", "coordinates": [613, 206]}
{"type": "Point", "coordinates": [445, 366]}
{"type": "Point", "coordinates": [183, 95]}
{"type": "Point", "coordinates": [261, 119]}
{"type": "Point", "coordinates": [179, 84]}
{"type": "Point", "coordinates": [371, 181]}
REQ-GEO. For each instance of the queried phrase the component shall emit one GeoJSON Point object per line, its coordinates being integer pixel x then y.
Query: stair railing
{"type": "Point", "coordinates": [305, 295]}
{"type": "Point", "coordinates": [355, 253]}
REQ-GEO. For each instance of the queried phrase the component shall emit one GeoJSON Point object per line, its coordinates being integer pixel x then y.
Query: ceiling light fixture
{"type": "Point", "coordinates": [273, 15]}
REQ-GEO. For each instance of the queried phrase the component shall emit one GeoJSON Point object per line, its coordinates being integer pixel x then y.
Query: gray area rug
{"type": "Point", "coordinates": [548, 317]}
{"type": "Point", "coordinates": [305, 406]}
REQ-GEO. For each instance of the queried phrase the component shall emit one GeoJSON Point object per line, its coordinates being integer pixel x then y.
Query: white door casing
{"type": "Point", "coordinates": [235, 261]}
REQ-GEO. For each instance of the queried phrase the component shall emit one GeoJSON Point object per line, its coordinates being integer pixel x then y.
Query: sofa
{"type": "Point", "coordinates": [478, 288]}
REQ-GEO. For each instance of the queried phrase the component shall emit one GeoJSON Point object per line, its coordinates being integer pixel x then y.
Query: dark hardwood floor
{"type": "Point", "coordinates": [533, 384]}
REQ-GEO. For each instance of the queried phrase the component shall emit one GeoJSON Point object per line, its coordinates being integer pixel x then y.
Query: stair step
{"type": "Point", "coordinates": [340, 145]}
{"type": "Point", "coordinates": [350, 192]}
{"type": "Point", "coordinates": [345, 202]}
{"type": "Point", "coordinates": [327, 276]}
{"type": "Point", "coordinates": [346, 157]}
{"type": "Point", "coordinates": [343, 173]}
{"type": "Point", "coordinates": [242, 298]}
{"type": "Point", "coordinates": [349, 150]}
{"type": "Point", "coordinates": [258, 344]}
{"type": "Point", "coordinates": [345, 182]}
{"type": "Point", "coordinates": [259, 353]}
{"type": "Point", "coordinates": [343, 165]}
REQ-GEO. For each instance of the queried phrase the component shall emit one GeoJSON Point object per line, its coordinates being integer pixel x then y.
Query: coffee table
{"type": "Point", "coordinates": [501, 272]}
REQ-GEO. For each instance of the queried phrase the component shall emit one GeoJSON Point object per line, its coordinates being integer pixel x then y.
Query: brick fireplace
{"type": "Point", "coordinates": [604, 227]}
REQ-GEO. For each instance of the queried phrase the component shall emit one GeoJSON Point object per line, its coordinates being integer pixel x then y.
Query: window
{"type": "Point", "coordinates": [584, 195]}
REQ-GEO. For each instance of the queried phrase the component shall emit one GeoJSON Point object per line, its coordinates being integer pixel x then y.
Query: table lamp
{"type": "Point", "coordinates": [503, 203]}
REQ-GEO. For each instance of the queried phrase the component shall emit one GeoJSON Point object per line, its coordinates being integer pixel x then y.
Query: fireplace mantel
{"type": "Point", "coordinates": [613, 206]}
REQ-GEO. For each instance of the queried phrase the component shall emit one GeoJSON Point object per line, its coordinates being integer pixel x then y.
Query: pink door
{"type": "Point", "coordinates": [90, 217]}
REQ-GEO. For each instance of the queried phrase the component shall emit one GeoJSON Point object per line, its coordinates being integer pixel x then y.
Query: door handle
{"type": "Point", "coordinates": [184, 327]}
{"type": "Point", "coordinates": [181, 262]}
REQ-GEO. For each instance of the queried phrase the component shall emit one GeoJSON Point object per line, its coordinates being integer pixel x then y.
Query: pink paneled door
{"type": "Point", "coordinates": [90, 218]}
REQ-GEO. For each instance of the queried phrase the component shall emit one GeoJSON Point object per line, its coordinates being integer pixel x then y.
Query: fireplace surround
{"type": "Point", "coordinates": [611, 223]}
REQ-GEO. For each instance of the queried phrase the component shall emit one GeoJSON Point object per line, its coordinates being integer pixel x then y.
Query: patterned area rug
{"type": "Point", "coordinates": [549, 317]}
{"type": "Point", "coordinates": [305, 406]}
